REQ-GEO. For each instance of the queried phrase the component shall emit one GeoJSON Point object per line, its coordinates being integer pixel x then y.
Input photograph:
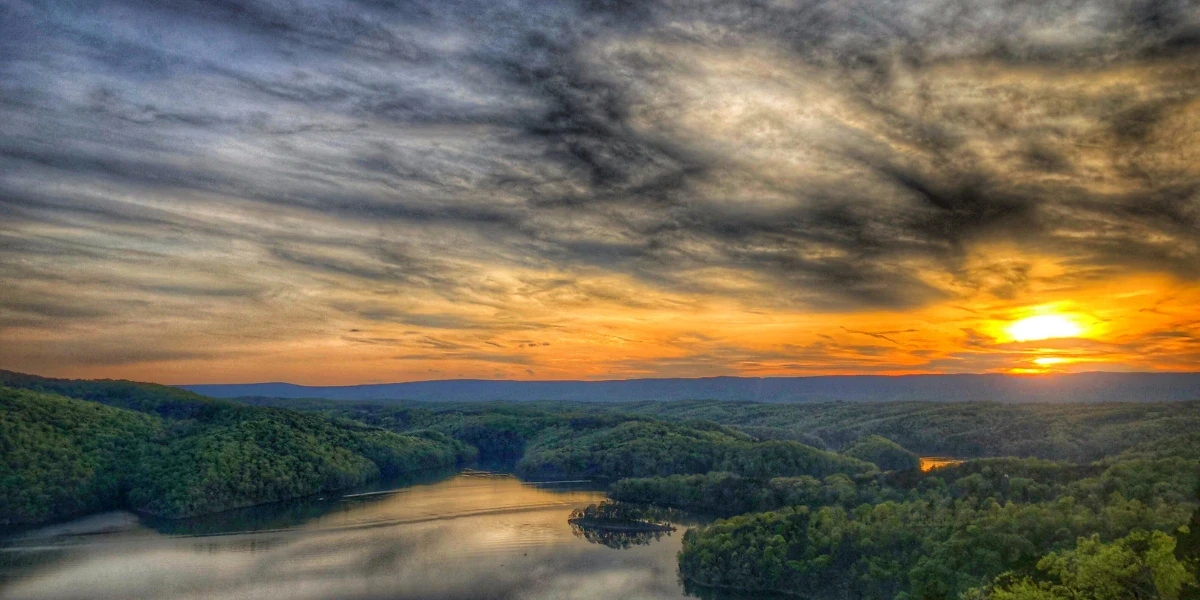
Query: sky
{"type": "Point", "coordinates": [364, 191]}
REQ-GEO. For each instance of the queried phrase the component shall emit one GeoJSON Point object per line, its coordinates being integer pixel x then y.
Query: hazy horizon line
{"type": "Point", "coordinates": [696, 378]}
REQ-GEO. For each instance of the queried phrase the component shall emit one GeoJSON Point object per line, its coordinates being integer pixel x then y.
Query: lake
{"type": "Point", "coordinates": [465, 535]}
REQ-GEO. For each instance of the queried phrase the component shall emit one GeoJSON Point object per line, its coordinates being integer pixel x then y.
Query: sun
{"type": "Point", "coordinates": [1045, 361]}
{"type": "Point", "coordinates": [1043, 327]}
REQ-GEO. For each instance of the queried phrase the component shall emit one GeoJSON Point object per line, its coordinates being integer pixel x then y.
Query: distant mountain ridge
{"type": "Point", "coordinates": [1077, 387]}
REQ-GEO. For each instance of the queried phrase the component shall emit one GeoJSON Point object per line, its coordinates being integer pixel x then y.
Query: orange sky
{"type": "Point", "coordinates": [1137, 323]}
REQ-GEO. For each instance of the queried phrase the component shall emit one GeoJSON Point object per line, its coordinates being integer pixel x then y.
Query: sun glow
{"type": "Point", "coordinates": [1050, 360]}
{"type": "Point", "coordinates": [1042, 327]}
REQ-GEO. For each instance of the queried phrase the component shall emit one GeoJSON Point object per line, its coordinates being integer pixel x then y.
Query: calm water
{"type": "Point", "coordinates": [467, 535]}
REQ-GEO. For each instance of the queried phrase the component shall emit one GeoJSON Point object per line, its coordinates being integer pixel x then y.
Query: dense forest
{"type": "Point", "coordinates": [61, 457]}
{"type": "Point", "coordinates": [1029, 523]}
{"type": "Point", "coordinates": [73, 447]}
{"type": "Point", "coordinates": [817, 501]}
{"type": "Point", "coordinates": [1047, 494]}
{"type": "Point", "coordinates": [567, 440]}
{"type": "Point", "coordinates": [1071, 432]}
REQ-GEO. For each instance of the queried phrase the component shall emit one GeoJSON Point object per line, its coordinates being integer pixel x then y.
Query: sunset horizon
{"type": "Point", "coordinates": [343, 192]}
{"type": "Point", "coordinates": [1113, 334]}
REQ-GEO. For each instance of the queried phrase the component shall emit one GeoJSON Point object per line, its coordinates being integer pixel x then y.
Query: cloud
{"type": "Point", "coordinates": [481, 168]}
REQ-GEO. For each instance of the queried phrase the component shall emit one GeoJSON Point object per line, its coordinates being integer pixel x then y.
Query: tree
{"type": "Point", "coordinates": [1140, 566]}
{"type": "Point", "coordinates": [1187, 550]}
{"type": "Point", "coordinates": [885, 453]}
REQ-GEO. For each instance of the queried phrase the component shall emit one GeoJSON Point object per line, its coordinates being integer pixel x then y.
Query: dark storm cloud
{"type": "Point", "coordinates": [380, 148]}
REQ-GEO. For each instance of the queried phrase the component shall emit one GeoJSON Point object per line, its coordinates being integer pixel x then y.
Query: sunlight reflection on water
{"type": "Point", "coordinates": [469, 536]}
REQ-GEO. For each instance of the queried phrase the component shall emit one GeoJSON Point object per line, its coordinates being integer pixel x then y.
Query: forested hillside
{"type": "Point", "coordinates": [1015, 522]}
{"type": "Point", "coordinates": [172, 453]}
{"type": "Point", "coordinates": [567, 440]}
{"type": "Point", "coordinates": [820, 501]}
{"type": "Point", "coordinates": [944, 534]}
{"type": "Point", "coordinates": [1074, 432]}
{"type": "Point", "coordinates": [61, 457]}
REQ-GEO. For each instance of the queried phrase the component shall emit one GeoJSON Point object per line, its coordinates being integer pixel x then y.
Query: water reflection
{"type": "Point", "coordinates": [468, 536]}
{"type": "Point", "coordinates": [620, 540]}
{"type": "Point", "coordinates": [286, 515]}
{"type": "Point", "coordinates": [706, 593]}
{"type": "Point", "coordinates": [929, 463]}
